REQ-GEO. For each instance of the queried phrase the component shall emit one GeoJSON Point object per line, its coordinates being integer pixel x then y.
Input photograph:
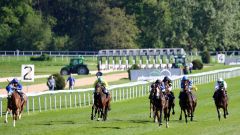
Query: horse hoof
{"type": "Point", "coordinates": [173, 113]}
{"type": "Point", "coordinates": [5, 121]}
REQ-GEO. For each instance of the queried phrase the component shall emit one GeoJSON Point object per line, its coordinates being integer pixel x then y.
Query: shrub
{"type": "Point", "coordinates": [197, 64]}
{"type": "Point", "coordinates": [206, 57]}
{"type": "Point", "coordinates": [43, 57]}
{"type": "Point", "coordinates": [134, 66]}
{"type": "Point", "coordinates": [59, 80]}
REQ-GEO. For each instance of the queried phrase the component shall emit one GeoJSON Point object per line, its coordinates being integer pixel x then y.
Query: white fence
{"type": "Point", "coordinates": [84, 97]}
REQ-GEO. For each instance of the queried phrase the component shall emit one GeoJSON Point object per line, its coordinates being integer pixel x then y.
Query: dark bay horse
{"type": "Point", "coordinates": [160, 105]}
{"type": "Point", "coordinates": [187, 102]}
{"type": "Point", "coordinates": [15, 104]}
{"type": "Point", "coordinates": [151, 96]}
{"type": "Point", "coordinates": [221, 101]}
{"type": "Point", "coordinates": [171, 101]}
{"type": "Point", "coordinates": [102, 103]}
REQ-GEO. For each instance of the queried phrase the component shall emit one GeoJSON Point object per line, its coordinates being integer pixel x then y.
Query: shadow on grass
{"type": "Point", "coordinates": [107, 127]}
{"type": "Point", "coordinates": [56, 123]}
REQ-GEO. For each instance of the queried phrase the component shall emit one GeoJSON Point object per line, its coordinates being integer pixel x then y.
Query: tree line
{"type": "Point", "coordinates": [110, 24]}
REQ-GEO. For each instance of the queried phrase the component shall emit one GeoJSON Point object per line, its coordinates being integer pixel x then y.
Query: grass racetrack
{"type": "Point", "coordinates": [131, 117]}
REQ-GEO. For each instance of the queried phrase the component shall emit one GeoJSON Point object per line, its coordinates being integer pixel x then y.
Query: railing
{"type": "Point", "coordinates": [51, 53]}
{"type": "Point", "coordinates": [52, 100]}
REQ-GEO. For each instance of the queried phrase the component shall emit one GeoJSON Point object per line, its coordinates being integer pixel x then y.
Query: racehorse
{"type": "Point", "coordinates": [221, 101]}
{"type": "Point", "coordinates": [187, 102]}
{"type": "Point", "coordinates": [102, 102]}
{"type": "Point", "coordinates": [160, 105]}
{"type": "Point", "coordinates": [151, 95]}
{"type": "Point", "coordinates": [171, 102]}
{"type": "Point", "coordinates": [15, 104]}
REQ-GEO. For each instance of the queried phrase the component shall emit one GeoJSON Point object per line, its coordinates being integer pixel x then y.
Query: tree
{"type": "Point", "coordinates": [115, 30]}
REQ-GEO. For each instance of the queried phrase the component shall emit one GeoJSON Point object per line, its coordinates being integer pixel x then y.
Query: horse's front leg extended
{"type": "Point", "coordinates": [6, 116]}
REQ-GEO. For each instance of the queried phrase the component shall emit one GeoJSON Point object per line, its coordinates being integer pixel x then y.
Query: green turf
{"type": "Point", "coordinates": [11, 66]}
{"type": "Point", "coordinates": [130, 117]}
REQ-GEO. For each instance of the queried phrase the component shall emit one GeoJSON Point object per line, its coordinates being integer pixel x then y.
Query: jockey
{"type": "Point", "coordinates": [220, 84]}
{"type": "Point", "coordinates": [14, 85]}
{"type": "Point", "coordinates": [103, 83]}
{"type": "Point", "coordinates": [190, 84]}
{"type": "Point", "coordinates": [167, 80]}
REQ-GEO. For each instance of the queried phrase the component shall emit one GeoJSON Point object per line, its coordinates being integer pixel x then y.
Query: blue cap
{"type": "Point", "coordinates": [15, 80]}
{"type": "Point", "coordinates": [185, 78]}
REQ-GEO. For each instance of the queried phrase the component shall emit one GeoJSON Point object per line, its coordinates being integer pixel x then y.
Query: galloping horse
{"type": "Point", "coordinates": [151, 96]}
{"type": "Point", "coordinates": [187, 102]}
{"type": "Point", "coordinates": [16, 106]}
{"type": "Point", "coordinates": [102, 102]}
{"type": "Point", "coordinates": [171, 102]}
{"type": "Point", "coordinates": [221, 101]}
{"type": "Point", "coordinates": [160, 104]}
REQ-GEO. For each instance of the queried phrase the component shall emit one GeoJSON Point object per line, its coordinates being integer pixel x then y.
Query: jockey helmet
{"type": "Point", "coordinates": [220, 80]}
{"type": "Point", "coordinates": [166, 78]}
{"type": "Point", "coordinates": [185, 78]}
{"type": "Point", "coordinates": [15, 80]}
{"type": "Point", "coordinates": [158, 81]}
{"type": "Point", "coordinates": [99, 74]}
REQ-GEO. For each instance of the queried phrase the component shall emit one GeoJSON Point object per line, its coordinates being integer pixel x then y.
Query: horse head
{"type": "Point", "coordinates": [98, 88]}
{"type": "Point", "coordinates": [185, 85]}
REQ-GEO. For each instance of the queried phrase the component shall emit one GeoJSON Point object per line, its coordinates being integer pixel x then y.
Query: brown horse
{"type": "Point", "coordinates": [15, 104]}
{"type": "Point", "coordinates": [160, 105]}
{"type": "Point", "coordinates": [221, 101]}
{"type": "Point", "coordinates": [187, 102]}
{"type": "Point", "coordinates": [171, 101]}
{"type": "Point", "coordinates": [102, 102]}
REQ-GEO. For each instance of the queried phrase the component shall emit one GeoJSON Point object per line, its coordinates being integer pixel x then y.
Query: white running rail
{"type": "Point", "coordinates": [52, 100]}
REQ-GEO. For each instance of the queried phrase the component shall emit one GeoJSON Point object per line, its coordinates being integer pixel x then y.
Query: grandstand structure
{"type": "Point", "coordinates": [122, 59]}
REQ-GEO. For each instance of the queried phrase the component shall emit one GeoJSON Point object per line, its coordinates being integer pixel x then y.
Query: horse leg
{"type": "Point", "coordinates": [6, 116]}
{"type": "Point", "coordinates": [92, 112]}
{"type": "Point", "coordinates": [167, 115]}
{"type": "Point", "coordinates": [219, 116]}
{"type": "Point", "coordinates": [101, 114]}
{"type": "Point", "coordinates": [180, 118]}
{"type": "Point", "coordinates": [185, 113]}
{"type": "Point", "coordinates": [160, 118]}
{"type": "Point", "coordinates": [156, 115]}
{"type": "Point", "coordinates": [191, 113]}
{"type": "Point", "coordinates": [14, 118]}
{"type": "Point", "coordinates": [173, 104]}
{"type": "Point", "coordinates": [226, 109]}
{"type": "Point", "coordinates": [104, 113]}
{"type": "Point", "coordinates": [150, 110]}
{"type": "Point", "coordinates": [224, 112]}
